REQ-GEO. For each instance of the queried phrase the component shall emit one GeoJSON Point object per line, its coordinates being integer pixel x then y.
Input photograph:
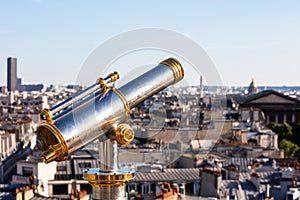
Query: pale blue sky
{"type": "Point", "coordinates": [245, 39]}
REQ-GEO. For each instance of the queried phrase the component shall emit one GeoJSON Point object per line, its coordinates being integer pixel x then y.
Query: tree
{"type": "Point", "coordinates": [284, 130]}
{"type": "Point", "coordinates": [290, 149]}
{"type": "Point", "coordinates": [272, 126]}
{"type": "Point", "coordinates": [296, 133]}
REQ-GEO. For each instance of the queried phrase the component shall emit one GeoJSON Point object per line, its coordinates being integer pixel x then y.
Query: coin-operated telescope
{"type": "Point", "coordinates": [100, 112]}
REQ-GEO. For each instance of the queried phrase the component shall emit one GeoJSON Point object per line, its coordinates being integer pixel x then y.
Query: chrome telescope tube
{"type": "Point", "coordinates": [100, 113]}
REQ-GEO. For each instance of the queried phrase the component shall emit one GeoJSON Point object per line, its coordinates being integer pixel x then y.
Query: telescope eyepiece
{"type": "Point", "coordinates": [176, 67]}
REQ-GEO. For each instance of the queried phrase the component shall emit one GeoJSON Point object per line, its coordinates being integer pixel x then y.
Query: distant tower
{"type": "Point", "coordinates": [252, 89]}
{"type": "Point", "coordinates": [12, 80]}
{"type": "Point", "coordinates": [201, 87]}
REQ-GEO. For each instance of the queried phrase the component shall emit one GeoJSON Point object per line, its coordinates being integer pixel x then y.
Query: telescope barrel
{"type": "Point", "coordinates": [93, 118]}
{"type": "Point", "coordinates": [165, 74]}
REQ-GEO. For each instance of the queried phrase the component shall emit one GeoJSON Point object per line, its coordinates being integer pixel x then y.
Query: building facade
{"type": "Point", "coordinates": [268, 105]}
{"type": "Point", "coordinates": [276, 106]}
{"type": "Point", "coordinates": [12, 80]}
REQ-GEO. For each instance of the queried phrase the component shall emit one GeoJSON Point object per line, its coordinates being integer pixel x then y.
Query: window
{"type": "Point", "coordinates": [61, 168]}
{"type": "Point", "coordinates": [84, 165]}
{"type": "Point", "coordinates": [60, 189]}
{"type": "Point", "coordinates": [87, 187]}
{"type": "Point", "coordinates": [147, 189]}
{"type": "Point", "coordinates": [27, 171]}
{"type": "Point", "coordinates": [132, 187]}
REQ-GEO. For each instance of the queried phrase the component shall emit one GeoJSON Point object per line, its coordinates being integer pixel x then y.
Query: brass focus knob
{"type": "Point", "coordinates": [114, 76]}
{"type": "Point", "coordinates": [124, 134]}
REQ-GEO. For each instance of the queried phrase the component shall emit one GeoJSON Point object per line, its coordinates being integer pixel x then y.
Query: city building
{"type": "Point", "coordinates": [55, 179]}
{"type": "Point", "coordinates": [14, 83]}
{"type": "Point", "coordinates": [34, 173]}
{"type": "Point", "coordinates": [12, 80]}
{"type": "Point", "coordinates": [276, 106]}
{"type": "Point", "coordinates": [3, 89]}
{"type": "Point", "coordinates": [155, 182]}
{"type": "Point", "coordinates": [253, 89]}
{"type": "Point", "coordinates": [211, 178]}
{"type": "Point", "coordinates": [31, 87]}
{"type": "Point", "coordinates": [19, 116]}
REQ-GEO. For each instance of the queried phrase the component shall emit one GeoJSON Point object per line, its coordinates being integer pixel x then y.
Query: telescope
{"type": "Point", "coordinates": [101, 112]}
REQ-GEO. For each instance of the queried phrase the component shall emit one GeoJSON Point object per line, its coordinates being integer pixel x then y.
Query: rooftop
{"type": "Point", "coordinates": [169, 175]}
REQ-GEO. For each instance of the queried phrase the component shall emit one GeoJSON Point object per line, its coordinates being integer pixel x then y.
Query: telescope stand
{"type": "Point", "coordinates": [108, 181]}
{"type": "Point", "coordinates": [115, 193]}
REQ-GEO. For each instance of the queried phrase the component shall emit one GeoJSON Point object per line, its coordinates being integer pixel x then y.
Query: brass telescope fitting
{"type": "Point", "coordinates": [51, 143]}
{"type": "Point", "coordinates": [124, 134]}
{"type": "Point", "coordinates": [46, 113]}
{"type": "Point", "coordinates": [176, 67]}
{"type": "Point", "coordinates": [103, 82]}
{"type": "Point", "coordinates": [99, 178]}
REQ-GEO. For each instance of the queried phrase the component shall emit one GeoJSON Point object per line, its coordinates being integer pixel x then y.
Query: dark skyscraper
{"type": "Point", "coordinates": [12, 80]}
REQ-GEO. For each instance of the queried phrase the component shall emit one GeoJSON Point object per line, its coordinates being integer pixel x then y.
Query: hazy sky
{"type": "Point", "coordinates": [245, 39]}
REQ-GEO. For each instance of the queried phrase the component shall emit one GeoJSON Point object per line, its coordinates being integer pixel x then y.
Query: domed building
{"type": "Point", "coordinates": [252, 89]}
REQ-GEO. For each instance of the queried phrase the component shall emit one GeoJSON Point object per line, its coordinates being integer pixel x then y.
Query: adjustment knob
{"type": "Point", "coordinates": [124, 134]}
